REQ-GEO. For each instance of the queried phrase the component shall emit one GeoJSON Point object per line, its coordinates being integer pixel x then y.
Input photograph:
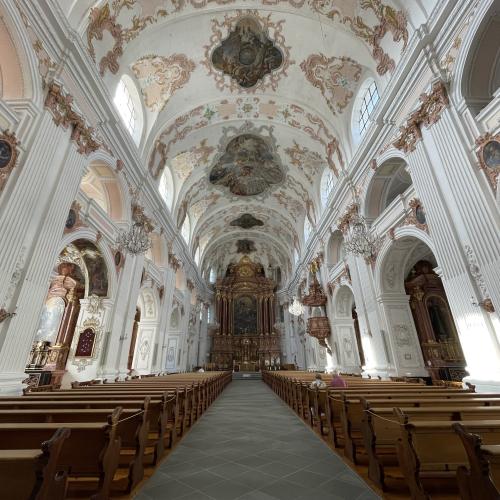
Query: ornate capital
{"type": "Point", "coordinates": [428, 113]}
{"type": "Point", "coordinates": [60, 105]}
{"type": "Point", "coordinates": [346, 219]}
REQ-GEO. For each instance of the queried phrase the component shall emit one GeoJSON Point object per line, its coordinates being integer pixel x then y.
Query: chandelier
{"type": "Point", "coordinates": [358, 240]}
{"type": "Point", "coordinates": [296, 308]}
{"type": "Point", "coordinates": [137, 239]}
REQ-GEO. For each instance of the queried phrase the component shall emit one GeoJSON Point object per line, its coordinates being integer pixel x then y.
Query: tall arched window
{"type": "Point", "coordinates": [128, 104]}
{"type": "Point", "coordinates": [327, 182]}
{"type": "Point", "coordinates": [186, 230]}
{"type": "Point", "coordinates": [212, 278]}
{"type": "Point", "coordinates": [166, 187]}
{"type": "Point", "coordinates": [307, 229]}
{"type": "Point", "coordinates": [197, 256]}
{"type": "Point", "coordinates": [368, 104]}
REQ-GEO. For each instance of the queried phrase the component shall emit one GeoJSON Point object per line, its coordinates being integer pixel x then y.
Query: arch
{"type": "Point", "coordinates": [102, 185]}
{"type": "Point", "coordinates": [19, 67]}
{"type": "Point", "coordinates": [365, 103]}
{"type": "Point", "coordinates": [104, 249]}
{"type": "Point", "coordinates": [390, 180]}
{"type": "Point", "coordinates": [128, 103]}
{"type": "Point", "coordinates": [478, 64]}
{"type": "Point", "coordinates": [335, 250]}
{"type": "Point", "coordinates": [396, 257]}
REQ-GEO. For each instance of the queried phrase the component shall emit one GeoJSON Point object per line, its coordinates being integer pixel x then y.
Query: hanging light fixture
{"type": "Point", "coordinates": [296, 308]}
{"type": "Point", "coordinates": [137, 239]}
{"type": "Point", "coordinates": [358, 240]}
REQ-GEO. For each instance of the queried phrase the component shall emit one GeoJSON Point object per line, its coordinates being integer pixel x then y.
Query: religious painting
{"type": "Point", "coordinates": [245, 246]}
{"type": "Point", "coordinates": [248, 166]}
{"type": "Point", "coordinates": [247, 54]}
{"type": "Point", "coordinates": [86, 342]}
{"type": "Point", "coordinates": [50, 320]}
{"type": "Point", "coordinates": [5, 153]}
{"type": "Point", "coordinates": [245, 315]}
{"type": "Point", "coordinates": [8, 156]}
{"type": "Point", "coordinates": [71, 219]}
{"type": "Point", "coordinates": [246, 221]}
{"type": "Point", "coordinates": [491, 154]}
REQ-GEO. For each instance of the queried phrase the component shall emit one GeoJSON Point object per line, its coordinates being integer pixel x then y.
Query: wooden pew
{"type": "Point", "coordinates": [89, 456]}
{"type": "Point", "coordinates": [381, 432]}
{"type": "Point", "coordinates": [432, 449]}
{"type": "Point", "coordinates": [34, 474]}
{"type": "Point", "coordinates": [482, 478]}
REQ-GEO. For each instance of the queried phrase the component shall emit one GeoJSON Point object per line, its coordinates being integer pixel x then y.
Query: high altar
{"type": "Point", "coordinates": [246, 339]}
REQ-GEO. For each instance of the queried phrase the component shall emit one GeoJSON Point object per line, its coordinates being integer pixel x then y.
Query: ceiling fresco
{"type": "Point", "coordinates": [247, 55]}
{"type": "Point", "coordinates": [243, 112]}
{"type": "Point", "coordinates": [246, 221]}
{"type": "Point", "coordinates": [248, 166]}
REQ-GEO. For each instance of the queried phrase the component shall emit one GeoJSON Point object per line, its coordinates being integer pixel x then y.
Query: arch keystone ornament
{"type": "Point", "coordinates": [8, 156]}
{"type": "Point", "coordinates": [253, 56]}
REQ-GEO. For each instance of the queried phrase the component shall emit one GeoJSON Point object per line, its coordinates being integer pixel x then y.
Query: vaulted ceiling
{"type": "Point", "coordinates": [245, 103]}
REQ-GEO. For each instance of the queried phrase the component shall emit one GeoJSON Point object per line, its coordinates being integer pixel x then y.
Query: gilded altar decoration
{"type": "Point", "coordinates": [246, 221]}
{"type": "Point", "coordinates": [335, 77]}
{"type": "Point", "coordinates": [245, 338]}
{"type": "Point", "coordinates": [105, 19]}
{"type": "Point", "coordinates": [247, 51]}
{"type": "Point", "coordinates": [248, 166]}
{"type": "Point", "coordinates": [489, 157]}
{"type": "Point", "coordinates": [160, 77]}
{"type": "Point", "coordinates": [429, 112]}
{"type": "Point", "coordinates": [8, 156]}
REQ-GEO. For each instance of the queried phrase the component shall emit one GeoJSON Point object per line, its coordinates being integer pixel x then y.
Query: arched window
{"type": "Point", "coordinates": [166, 188]}
{"type": "Point", "coordinates": [197, 256]}
{"type": "Point", "coordinates": [368, 104]}
{"type": "Point", "coordinates": [327, 182]}
{"type": "Point", "coordinates": [307, 229]}
{"type": "Point", "coordinates": [213, 275]}
{"type": "Point", "coordinates": [186, 230]}
{"type": "Point", "coordinates": [128, 104]}
{"type": "Point", "coordinates": [295, 256]}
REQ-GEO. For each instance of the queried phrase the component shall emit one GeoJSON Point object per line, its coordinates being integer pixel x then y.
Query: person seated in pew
{"type": "Point", "coordinates": [337, 380]}
{"type": "Point", "coordinates": [318, 382]}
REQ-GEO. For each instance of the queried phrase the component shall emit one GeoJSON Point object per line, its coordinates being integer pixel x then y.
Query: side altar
{"type": "Point", "coordinates": [246, 339]}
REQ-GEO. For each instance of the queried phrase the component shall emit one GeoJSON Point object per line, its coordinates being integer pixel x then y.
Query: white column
{"type": "Point", "coordinates": [32, 225]}
{"type": "Point", "coordinates": [449, 218]}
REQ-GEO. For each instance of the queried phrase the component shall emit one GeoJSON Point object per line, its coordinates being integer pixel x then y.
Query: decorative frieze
{"type": "Point", "coordinates": [8, 156]}
{"type": "Point", "coordinates": [428, 113]}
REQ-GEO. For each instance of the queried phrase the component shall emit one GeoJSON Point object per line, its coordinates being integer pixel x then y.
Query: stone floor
{"type": "Point", "coordinates": [250, 446]}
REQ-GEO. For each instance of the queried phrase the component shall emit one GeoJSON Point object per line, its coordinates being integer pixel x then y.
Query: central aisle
{"type": "Point", "coordinates": [250, 446]}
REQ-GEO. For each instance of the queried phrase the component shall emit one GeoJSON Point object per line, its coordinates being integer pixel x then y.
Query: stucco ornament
{"type": "Point", "coordinates": [160, 77]}
{"type": "Point", "coordinates": [335, 77]}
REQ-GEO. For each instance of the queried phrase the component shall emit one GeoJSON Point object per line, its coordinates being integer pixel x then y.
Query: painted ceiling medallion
{"type": "Point", "coordinates": [245, 246]}
{"type": "Point", "coordinates": [246, 221]}
{"type": "Point", "coordinates": [248, 166]}
{"type": "Point", "coordinates": [247, 52]}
